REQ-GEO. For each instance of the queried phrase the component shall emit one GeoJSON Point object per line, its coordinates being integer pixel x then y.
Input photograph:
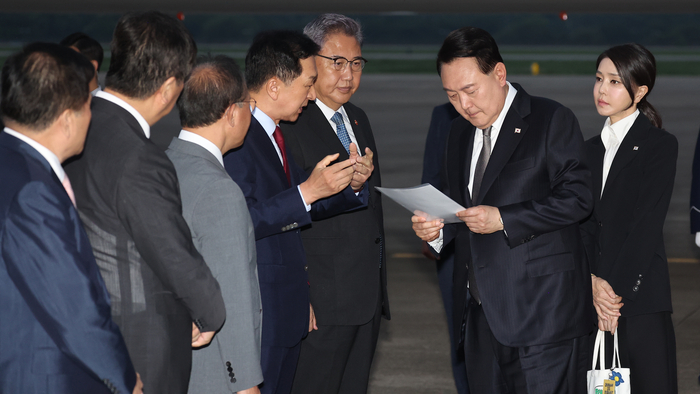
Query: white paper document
{"type": "Point", "coordinates": [426, 201]}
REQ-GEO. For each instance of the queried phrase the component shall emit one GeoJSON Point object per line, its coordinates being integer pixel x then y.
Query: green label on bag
{"type": "Point", "coordinates": [608, 386]}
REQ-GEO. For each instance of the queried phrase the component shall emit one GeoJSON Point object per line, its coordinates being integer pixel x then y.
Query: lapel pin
{"type": "Point", "coordinates": [517, 131]}
{"type": "Point", "coordinates": [635, 148]}
{"type": "Point", "coordinates": [356, 124]}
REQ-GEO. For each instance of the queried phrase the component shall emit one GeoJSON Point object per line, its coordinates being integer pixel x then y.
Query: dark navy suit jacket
{"type": "Point", "coordinates": [534, 282]}
{"type": "Point", "coordinates": [56, 330]}
{"type": "Point", "coordinates": [278, 214]}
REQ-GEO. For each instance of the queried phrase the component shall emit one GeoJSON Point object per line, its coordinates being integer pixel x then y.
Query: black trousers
{"type": "Point", "coordinates": [647, 346]}
{"type": "Point", "coordinates": [338, 359]}
{"type": "Point", "coordinates": [554, 368]}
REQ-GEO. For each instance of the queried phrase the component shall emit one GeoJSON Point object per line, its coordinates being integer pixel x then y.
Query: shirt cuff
{"type": "Point", "coordinates": [308, 207]}
{"type": "Point", "coordinates": [697, 239]}
{"type": "Point", "coordinates": [437, 243]}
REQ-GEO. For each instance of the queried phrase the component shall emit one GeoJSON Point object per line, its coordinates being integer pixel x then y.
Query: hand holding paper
{"type": "Point", "coordinates": [425, 201]}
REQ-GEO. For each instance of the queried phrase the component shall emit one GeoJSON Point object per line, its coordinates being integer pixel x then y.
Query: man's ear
{"type": "Point", "coordinates": [169, 90]}
{"type": "Point", "coordinates": [96, 65]}
{"type": "Point", "coordinates": [500, 73]}
{"type": "Point", "coordinates": [66, 121]}
{"type": "Point", "coordinates": [230, 115]}
{"type": "Point", "coordinates": [272, 88]}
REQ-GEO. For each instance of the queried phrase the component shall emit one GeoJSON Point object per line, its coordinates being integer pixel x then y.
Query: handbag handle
{"type": "Point", "coordinates": [616, 353]}
{"type": "Point", "coordinates": [599, 350]}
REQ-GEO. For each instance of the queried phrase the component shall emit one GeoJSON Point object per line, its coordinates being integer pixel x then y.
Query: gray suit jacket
{"type": "Point", "coordinates": [215, 210]}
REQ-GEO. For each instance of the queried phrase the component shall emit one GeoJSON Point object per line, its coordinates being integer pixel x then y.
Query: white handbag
{"type": "Point", "coordinates": [615, 380]}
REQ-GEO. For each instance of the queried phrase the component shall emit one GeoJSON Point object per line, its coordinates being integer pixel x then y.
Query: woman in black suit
{"type": "Point", "coordinates": [633, 164]}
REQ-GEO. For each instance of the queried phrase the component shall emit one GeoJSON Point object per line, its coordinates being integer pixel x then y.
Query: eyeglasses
{"type": "Point", "coordinates": [252, 103]}
{"type": "Point", "coordinates": [339, 63]}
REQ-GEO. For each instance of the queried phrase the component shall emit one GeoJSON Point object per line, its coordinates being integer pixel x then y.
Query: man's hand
{"type": "Point", "coordinates": [427, 230]}
{"type": "Point", "coordinates": [608, 325]}
{"type": "Point", "coordinates": [364, 166]}
{"type": "Point", "coordinates": [482, 219]}
{"type": "Point", "coordinates": [312, 319]}
{"type": "Point", "coordinates": [138, 389]}
{"type": "Point", "coordinates": [200, 339]}
{"type": "Point", "coordinates": [607, 304]}
{"type": "Point", "coordinates": [327, 180]}
{"type": "Point", "coordinates": [252, 390]}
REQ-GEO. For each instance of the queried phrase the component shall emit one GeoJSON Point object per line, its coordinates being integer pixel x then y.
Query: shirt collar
{"type": "Point", "coordinates": [496, 126]}
{"type": "Point", "coordinates": [265, 121]}
{"type": "Point", "coordinates": [328, 112]}
{"type": "Point", "coordinates": [43, 151]}
{"type": "Point", "coordinates": [116, 100]}
{"type": "Point", "coordinates": [203, 142]}
{"type": "Point", "coordinates": [619, 128]}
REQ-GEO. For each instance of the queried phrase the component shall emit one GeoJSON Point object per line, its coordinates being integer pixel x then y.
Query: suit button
{"type": "Point", "coordinates": [306, 268]}
{"type": "Point", "coordinates": [377, 241]}
{"type": "Point", "coordinates": [295, 225]}
{"type": "Point", "coordinates": [635, 289]}
{"type": "Point", "coordinates": [600, 224]}
{"type": "Point", "coordinates": [640, 276]}
{"type": "Point", "coordinates": [639, 282]}
{"type": "Point", "coordinates": [228, 364]}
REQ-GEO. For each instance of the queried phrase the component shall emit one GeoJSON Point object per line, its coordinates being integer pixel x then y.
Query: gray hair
{"type": "Point", "coordinates": [326, 24]}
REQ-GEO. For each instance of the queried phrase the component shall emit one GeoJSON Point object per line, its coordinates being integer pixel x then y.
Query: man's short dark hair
{"type": "Point", "coordinates": [87, 45]}
{"type": "Point", "coordinates": [41, 81]}
{"type": "Point", "coordinates": [277, 54]}
{"type": "Point", "coordinates": [470, 42]}
{"type": "Point", "coordinates": [147, 49]}
{"type": "Point", "coordinates": [214, 85]}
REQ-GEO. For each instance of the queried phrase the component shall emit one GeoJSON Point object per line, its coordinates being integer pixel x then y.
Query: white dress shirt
{"type": "Point", "coordinates": [476, 150]}
{"type": "Point", "coordinates": [203, 142]}
{"type": "Point", "coordinates": [612, 136]}
{"type": "Point", "coordinates": [50, 157]}
{"type": "Point", "coordinates": [116, 100]}
{"type": "Point", "coordinates": [328, 113]}
{"type": "Point", "coordinates": [269, 126]}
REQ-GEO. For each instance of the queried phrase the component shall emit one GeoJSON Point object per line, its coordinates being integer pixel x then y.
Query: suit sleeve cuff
{"type": "Point", "coordinates": [436, 244]}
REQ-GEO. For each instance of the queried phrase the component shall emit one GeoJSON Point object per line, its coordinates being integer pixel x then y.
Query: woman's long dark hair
{"type": "Point", "coordinates": [636, 67]}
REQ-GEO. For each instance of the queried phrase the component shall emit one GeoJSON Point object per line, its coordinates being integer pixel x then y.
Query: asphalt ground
{"type": "Point", "coordinates": [413, 351]}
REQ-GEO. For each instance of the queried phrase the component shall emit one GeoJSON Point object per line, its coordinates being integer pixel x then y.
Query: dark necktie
{"type": "Point", "coordinates": [279, 139]}
{"type": "Point", "coordinates": [483, 160]}
{"type": "Point", "coordinates": [481, 163]}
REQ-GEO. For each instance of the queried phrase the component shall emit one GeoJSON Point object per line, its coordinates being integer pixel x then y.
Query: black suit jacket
{"type": "Point", "coordinates": [346, 254]}
{"type": "Point", "coordinates": [624, 234]}
{"type": "Point", "coordinates": [129, 200]}
{"type": "Point", "coordinates": [534, 283]}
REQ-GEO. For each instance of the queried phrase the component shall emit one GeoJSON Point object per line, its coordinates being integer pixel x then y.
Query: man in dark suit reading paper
{"type": "Point", "coordinates": [517, 163]}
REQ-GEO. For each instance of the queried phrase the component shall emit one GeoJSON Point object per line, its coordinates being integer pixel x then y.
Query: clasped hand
{"type": "Point", "coordinates": [607, 304]}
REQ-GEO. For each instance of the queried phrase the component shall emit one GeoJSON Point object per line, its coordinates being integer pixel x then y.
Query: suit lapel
{"type": "Point", "coordinates": [466, 144]}
{"type": "Point", "coordinates": [357, 129]}
{"type": "Point", "coordinates": [597, 154]}
{"type": "Point", "coordinates": [324, 131]}
{"type": "Point", "coordinates": [512, 131]}
{"type": "Point", "coordinates": [629, 148]}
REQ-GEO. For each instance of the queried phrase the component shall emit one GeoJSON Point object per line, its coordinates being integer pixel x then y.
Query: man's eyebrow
{"type": "Point", "coordinates": [467, 86]}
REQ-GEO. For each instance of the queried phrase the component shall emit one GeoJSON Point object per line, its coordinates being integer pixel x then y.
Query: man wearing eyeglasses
{"type": "Point", "coordinates": [345, 253]}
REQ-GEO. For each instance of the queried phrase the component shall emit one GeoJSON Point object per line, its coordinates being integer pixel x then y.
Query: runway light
{"type": "Point", "coordinates": [181, 16]}
{"type": "Point", "coordinates": [563, 16]}
{"type": "Point", "coordinates": [535, 68]}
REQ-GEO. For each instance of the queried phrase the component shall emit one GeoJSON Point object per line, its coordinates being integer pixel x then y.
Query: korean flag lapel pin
{"type": "Point", "coordinates": [517, 130]}
{"type": "Point", "coordinates": [635, 148]}
{"type": "Point", "coordinates": [356, 124]}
